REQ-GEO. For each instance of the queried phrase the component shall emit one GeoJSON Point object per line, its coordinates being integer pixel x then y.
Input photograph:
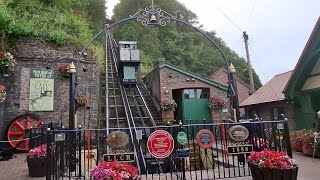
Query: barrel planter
{"type": "Point", "coordinates": [37, 167]}
{"type": "Point", "coordinates": [273, 174]}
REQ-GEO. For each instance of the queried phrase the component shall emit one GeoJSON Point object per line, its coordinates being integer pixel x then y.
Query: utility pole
{"type": "Point", "coordinates": [245, 36]}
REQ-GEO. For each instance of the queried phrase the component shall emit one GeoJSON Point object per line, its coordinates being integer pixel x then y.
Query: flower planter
{"type": "Point", "coordinates": [37, 167]}
{"type": "Point", "coordinates": [273, 174]}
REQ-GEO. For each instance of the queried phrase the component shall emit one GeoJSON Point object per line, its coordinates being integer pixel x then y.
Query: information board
{"type": "Point", "coordinates": [41, 90]}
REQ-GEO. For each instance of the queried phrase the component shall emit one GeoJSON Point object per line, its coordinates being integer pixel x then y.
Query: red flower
{"type": "Point", "coordinates": [271, 159]}
{"type": "Point", "coordinates": [216, 102]}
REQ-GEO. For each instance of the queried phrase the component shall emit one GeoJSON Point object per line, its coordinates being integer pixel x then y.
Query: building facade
{"type": "Point", "coordinates": [191, 93]}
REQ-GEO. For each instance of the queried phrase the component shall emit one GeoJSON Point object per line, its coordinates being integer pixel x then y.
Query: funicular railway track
{"type": "Point", "coordinates": [126, 107]}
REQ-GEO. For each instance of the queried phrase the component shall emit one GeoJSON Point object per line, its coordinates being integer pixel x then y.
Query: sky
{"type": "Point", "coordinates": [278, 29]}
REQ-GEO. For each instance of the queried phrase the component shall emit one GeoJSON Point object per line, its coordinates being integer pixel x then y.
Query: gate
{"type": "Point", "coordinates": [73, 153]}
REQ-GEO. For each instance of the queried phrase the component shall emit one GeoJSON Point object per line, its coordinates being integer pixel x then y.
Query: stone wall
{"type": "Point", "coordinates": [33, 53]}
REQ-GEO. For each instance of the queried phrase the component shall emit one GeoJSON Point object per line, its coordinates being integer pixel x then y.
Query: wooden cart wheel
{"type": "Point", "coordinates": [15, 131]}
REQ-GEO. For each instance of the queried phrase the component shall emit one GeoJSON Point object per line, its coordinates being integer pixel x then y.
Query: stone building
{"type": "Point", "coordinates": [35, 54]}
{"type": "Point", "coordinates": [190, 91]}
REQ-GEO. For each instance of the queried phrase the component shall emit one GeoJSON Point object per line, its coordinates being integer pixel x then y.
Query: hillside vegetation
{"type": "Point", "coordinates": [175, 43]}
{"type": "Point", "coordinates": [61, 22]}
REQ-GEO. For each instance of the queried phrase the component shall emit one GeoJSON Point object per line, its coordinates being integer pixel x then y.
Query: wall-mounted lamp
{"type": "Point", "coordinates": [193, 79]}
{"type": "Point", "coordinates": [188, 79]}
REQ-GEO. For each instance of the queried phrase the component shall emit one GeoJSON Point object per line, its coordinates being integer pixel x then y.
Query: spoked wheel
{"type": "Point", "coordinates": [15, 131]}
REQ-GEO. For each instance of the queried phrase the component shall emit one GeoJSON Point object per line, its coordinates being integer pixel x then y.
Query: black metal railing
{"type": "Point", "coordinates": [74, 153]}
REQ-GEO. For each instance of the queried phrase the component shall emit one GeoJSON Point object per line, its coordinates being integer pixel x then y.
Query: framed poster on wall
{"type": "Point", "coordinates": [41, 90]}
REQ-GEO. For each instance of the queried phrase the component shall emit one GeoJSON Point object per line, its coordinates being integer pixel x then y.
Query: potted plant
{"type": "Point", "coordinates": [7, 64]}
{"type": "Point", "coordinates": [36, 159]}
{"type": "Point", "coordinates": [272, 165]}
{"type": "Point", "coordinates": [64, 71]}
{"type": "Point", "coordinates": [216, 102]}
{"type": "Point", "coordinates": [3, 93]}
{"type": "Point", "coordinates": [168, 104]}
{"type": "Point", "coordinates": [114, 171]}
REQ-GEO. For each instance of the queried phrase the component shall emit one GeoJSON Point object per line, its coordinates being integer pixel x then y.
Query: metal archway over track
{"type": "Point", "coordinates": [155, 16]}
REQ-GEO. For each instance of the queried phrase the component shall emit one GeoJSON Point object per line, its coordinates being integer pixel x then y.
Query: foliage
{"type": "Point", "coordinates": [40, 151]}
{"type": "Point", "coordinates": [216, 102]}
{"type": "Point", "coordinates": [59, 21]}
{"type": "Point", "coordinates": [309, 144]}
{"type": "Point", "coordinates": [114, 171]}
{"type": "Point", "coordinates": [83, 100]}
{"type": "Point", "coordinates": [3, 93]}
{"type": "Point", "coordinates": [7, 64]}
{"type": "Point", "coordinates": [168, 104]}
{"type": "Point", "coordinates": [297, 140]}
{"type": "Point", "coordinates": [64, 70]}
{"type": "Point", "coordinates": [271, 159]}
{"type": "Point", "coordinates": [176, 43]}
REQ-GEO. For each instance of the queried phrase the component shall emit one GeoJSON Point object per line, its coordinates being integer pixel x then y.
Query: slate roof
{"type": "Point", "coordinates": [270, 92]}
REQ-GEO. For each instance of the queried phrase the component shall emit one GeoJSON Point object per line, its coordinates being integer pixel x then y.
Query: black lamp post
{"type": "Point", "coordinates": [234, 92]}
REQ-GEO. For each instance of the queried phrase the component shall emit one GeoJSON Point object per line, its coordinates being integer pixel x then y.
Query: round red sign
{"type": "Point", "coordinates": [205, 138]}
{"type": "Point", "coordinates": [160, 144]}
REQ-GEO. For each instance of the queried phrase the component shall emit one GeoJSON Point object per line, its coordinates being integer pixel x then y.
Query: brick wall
{"type": "Point", "coordinates": [33, 53]}
{"type": "Point", "coordinates": [171, 80]}
{"type": "Point", "coordinates": [221, 77]}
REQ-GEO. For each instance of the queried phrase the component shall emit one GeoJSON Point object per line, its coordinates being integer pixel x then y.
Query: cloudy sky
{"type": "Point", "coordinates": [278, 29]}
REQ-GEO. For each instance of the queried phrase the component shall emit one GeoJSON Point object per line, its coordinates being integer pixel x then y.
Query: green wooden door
{"type": "Point", "coordinates": [195, 106]}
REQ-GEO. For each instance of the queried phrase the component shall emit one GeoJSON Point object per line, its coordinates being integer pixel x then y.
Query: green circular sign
{"type": "Point", "coordinates": [182, 138]}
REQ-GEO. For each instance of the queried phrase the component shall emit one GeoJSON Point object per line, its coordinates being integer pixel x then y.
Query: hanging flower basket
{"type": "Point", "coordinates": [114, 171]}
{"type": "Point", "coordinates": [64, 71]}
{"type": "Point", "coordinates": [7, 64]}
{"type": "Point", "coordinates": [83, 100]}
{"type": "Point", "coordinates": [3, 93]}
{"type": "Point", "coordinates": [168, 104]}
{"type": "Point", "coordinates": [216, 102]}
{"type": "Point", "coordinates": [272, 165]}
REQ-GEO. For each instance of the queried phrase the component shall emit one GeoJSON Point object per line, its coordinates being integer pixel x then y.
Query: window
{"type": "Point", "coordinates": [195, 93]}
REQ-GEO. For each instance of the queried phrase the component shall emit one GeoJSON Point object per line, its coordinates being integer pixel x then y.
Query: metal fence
{"type": "Point", "coordinates": [74, 153]}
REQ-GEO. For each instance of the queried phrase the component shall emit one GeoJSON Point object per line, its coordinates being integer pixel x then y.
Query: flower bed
{"type": "Point", "coordinates": [308, 144]}
{"type": "Point", "coordinates": [114, 171]}
{"type": "Point", "coordinates": [297, 140]}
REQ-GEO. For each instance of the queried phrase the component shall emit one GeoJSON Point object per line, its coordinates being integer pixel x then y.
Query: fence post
{"type": "Point", "coordinates": [48, 174]}
{"type": "Point", "coordinates": [287, 137]}
{"type": "Point", "coordinates": [182, 147]}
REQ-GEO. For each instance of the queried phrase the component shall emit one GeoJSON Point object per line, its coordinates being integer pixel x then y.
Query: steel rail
{"type": "Point", "coordinates": [128, 113]}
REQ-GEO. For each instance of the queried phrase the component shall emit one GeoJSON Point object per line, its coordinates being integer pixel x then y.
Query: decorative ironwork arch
{"type": "Point", "coordinates": [155, 16]}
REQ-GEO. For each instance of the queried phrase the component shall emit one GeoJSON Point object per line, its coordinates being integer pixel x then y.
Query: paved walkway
{"type": "Point", "coordinates": [16, 169]}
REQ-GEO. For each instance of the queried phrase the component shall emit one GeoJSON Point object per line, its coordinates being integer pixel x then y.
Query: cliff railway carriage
{"type": "Point", "coordinates": [128, 61]}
